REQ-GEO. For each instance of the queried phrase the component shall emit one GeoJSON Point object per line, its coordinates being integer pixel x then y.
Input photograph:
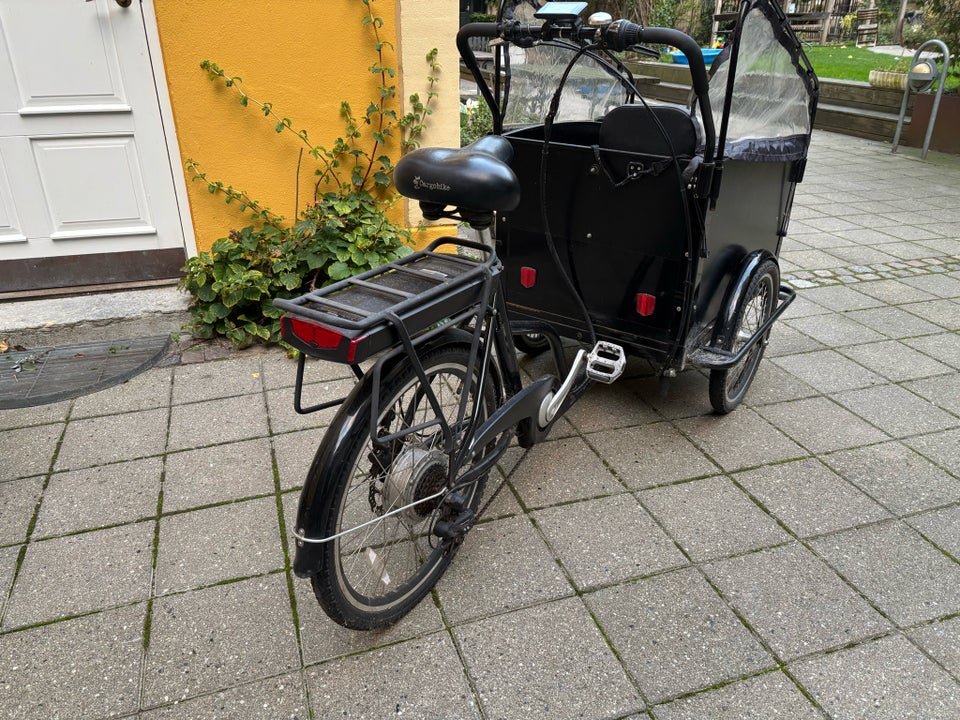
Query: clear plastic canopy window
{"type": "Point", "coordinates": [769, 108]}
{"type": "Point", "coordinates": [590, 90]}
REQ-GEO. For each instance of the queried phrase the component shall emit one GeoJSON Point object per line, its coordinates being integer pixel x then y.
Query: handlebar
{"type": "Point", "coordinates": [618, 36]}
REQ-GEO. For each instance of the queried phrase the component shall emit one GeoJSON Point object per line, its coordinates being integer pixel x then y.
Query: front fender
{"type": "Point", "coordinates": [735, 293]}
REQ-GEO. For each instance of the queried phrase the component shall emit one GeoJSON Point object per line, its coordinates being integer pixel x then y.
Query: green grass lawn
{"type": "Point", "coordinates": [852, 63]}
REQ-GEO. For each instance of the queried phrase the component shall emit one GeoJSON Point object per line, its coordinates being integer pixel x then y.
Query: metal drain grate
{"type": "Point", "coordinates": [45, 375]}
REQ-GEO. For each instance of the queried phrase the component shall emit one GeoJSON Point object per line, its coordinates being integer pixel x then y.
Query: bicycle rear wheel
{"type": "Point", "coordinates": [729, 386]}
{"type": "Point", "coordinates": [374, 575]}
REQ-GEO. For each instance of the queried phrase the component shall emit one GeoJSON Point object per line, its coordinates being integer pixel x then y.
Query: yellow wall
{"type": "Point", "coordinates": [304, 56]}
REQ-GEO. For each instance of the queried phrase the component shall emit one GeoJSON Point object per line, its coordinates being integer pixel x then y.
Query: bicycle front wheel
{"type": "Point", "coordinates": [380, 562]}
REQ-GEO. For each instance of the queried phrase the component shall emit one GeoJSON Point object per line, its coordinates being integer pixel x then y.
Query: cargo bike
{"type": "Point", "coordinates": [605, 221]}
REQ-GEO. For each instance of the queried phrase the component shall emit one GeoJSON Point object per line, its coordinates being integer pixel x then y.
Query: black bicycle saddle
{"type": "Point", "coordinates": [476, 177]}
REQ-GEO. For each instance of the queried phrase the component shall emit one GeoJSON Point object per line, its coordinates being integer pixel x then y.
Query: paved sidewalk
{"type": "Point", "coordinates": [799, 558]}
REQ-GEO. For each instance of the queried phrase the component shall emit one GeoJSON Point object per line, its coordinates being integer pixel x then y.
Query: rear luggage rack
{"type": "Point", "coordinates": [351, 320]}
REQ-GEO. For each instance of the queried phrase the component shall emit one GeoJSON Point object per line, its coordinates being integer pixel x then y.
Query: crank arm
{"type": "Point", "coordinates": [522, 406]}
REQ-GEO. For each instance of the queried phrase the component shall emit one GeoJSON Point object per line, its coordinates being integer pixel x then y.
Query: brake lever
{"type": "Point", "coordinates": [644, 50]}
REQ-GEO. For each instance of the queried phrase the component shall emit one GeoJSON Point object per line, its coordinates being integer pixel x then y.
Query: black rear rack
{"type": "Point", "coordinates": [355, 316]}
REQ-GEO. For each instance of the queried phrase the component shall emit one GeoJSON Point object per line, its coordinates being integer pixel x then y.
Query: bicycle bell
{"type": "Point", "coordinates": [599, 20]}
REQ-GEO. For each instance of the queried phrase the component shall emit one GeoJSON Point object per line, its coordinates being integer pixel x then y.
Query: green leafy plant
{"type": "Point", "coordinates": [476, 121]}
{"type": "Point", "coordinates": [344, 228]}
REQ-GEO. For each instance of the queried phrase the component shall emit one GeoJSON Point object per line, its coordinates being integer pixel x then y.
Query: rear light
{"type": "Point", "coordinates": [528, 277]}
{"type": "Point", "coordinates": [313, 334]}
{"type": "Point", "coordinates": [307, 336]}
{"type": "Point", "coordinates": [646, 304]}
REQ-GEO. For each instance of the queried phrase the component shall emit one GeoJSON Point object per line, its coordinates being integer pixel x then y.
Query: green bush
{"type": "Point", "coordinates": [476, 121]}
{"type": "Point", "coordinates": [234, 284]}
{"type": "Point", "coordinates": [342, 231]}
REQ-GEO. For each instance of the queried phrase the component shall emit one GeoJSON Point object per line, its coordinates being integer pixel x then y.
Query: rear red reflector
{"type": "Point", "coordinates": [528, 277]}
{"type": "Point", "coordinates": [645, 304]}
{"type": "Point", "coordinates": [314, 334]}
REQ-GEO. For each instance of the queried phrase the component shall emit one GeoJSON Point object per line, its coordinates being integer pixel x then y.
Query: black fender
{"type": "Point", "coordinates": [352, 417]}
{"type": "Point", "coordinates": [736, 290]}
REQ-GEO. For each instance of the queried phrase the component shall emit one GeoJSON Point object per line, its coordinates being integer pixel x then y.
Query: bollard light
{"type": "Point", "coordinates": [923, 74]}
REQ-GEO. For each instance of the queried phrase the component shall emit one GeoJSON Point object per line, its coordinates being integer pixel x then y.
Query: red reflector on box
{"type": "Point", "coordinates": [528, 277]}
{"type": "Point", "coordinates": [645, 304]}
{"type": "Point", "coordinates": [314, 334]}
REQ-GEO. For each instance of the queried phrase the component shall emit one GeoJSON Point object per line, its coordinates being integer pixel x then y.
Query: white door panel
{"type": "Point", "coordinates": [83, 155]}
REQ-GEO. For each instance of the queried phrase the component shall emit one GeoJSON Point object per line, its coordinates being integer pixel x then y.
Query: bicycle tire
{"type": "Point", "coordinates": [729, 386]}
{"type": "Point", "coordinates": [372, 577]}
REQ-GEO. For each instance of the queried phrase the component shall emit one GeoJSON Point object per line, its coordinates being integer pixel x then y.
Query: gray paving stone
{"type": "Point", "coordinates": [820, 425]}
{"type": "Point", "coordinates": [944, 347]}
{"type": "Point", "coordinates": [940, 285]}
{"type": "Point", "coordinates": [809, 498]}
{"type": "Point", "coordinates": [547, 661]}
{"type": "Point", "coordinates": [651, 455]}
{"type": "Point", "coordinates": [202, 547]}
{"type": "Point", "coordinates": [88, 667]}
{"type": "Point", "coordinates": [562, 470]}
{"type": "Point", "coordinates": [803, 306]}
{"type": "Point", "coordinates": [683, 396]}
{"type": "Point", "coordinates": [896, 476]}
{"type": "Point", "coordinates": [113, 438]}
{"type": "Point", "coordinates": [943, 448]}
{"type": "Point", "coordinates": [421, 679]}
{"type": "Point", "coordinates": [99, 496]}
{"type": "Point", "coordinates": [894, 322]}
{"type": "Point", "coordinates": [896, 411]}
{"type": "Point", "coordinates": [294, 453]}
{"type": "Point", "coordinates": [893, 292]}
{"type": "Point", "coordinates": [945, 313]}
{"type": "Point", "coordinates": [895, 361]}
{"type": "Point", "coordinates": [908, 250]}
{"type": "Point", "coordinates": [859, 254]}
{"type": "Point", "coordinates": [80, 573]}
{"type": "Point", "coordinates": [770, 696]}
{"type": "Point", "coordinates": [238, 375]}
{"type": "Point", "coordinates": [18, 502]}
{"type": "Point", "coordinates": [774, 384]}
{"type": "Point", "coordinates": [280, 371]}
{"type": "Point", "coordinates": [8, 566]}
{"type": "Point", "coordinates": [887, 679]}
{"type": "Point", "coordinates": [908, 578]}
{"type": "Point", "coordinates": [942, 641]}
{"type": "Point", "coordinates": [675, 635]}
{"type": "Point", "coordinates": [794, 601]}
{"type": "Point", "coordinates": [146, 391]}
{"type": "Point", "coordinates": [828, 371]}
{"type": "Point", "coordinates": [606, 407]}
{"type": "Point", "coordinates": [502, 565]}
{"type": "Point", "coordinates": [36, 415]}
{"type": "Point", "coordinates": [218, 638]}
{"type": "Point", "coordinates": [739, 440]}
{"type": "Point", "coordinates": [217, 421]}
{"type": "Point", "coordinates": [784, 340]}
{"type": "Point", "coordinates": [941, 527]}
{"type": "Point", "coordinates": [214, 474]}
{"type": "Point", "coordinates": [604, 541]}
{"type": "Point", "coordinates": [835, 330]}
{"type": "Point", "coordinates": [943, 391]}
{"type": "Point", "coordinates": [283, 418]}
{"type": "Point", "coordinates": [811, 259]}
{"type": "Point", "coordinates": [274, 699]}
{"type": "Point", "coordinates": [28, 451]}
{"type": "Point", "coordinates": [712, 518]}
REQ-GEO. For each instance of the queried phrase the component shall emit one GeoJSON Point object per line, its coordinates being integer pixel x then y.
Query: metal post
{"type": "Point", "coordinates": [917, 57]}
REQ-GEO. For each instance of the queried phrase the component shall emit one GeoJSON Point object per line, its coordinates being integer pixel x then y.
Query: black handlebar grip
{"type": "Point", "coordinates": [622, 34]}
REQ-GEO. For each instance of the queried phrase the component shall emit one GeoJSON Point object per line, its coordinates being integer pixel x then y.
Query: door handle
{"type": "Point", "coordinates": [121, 3]}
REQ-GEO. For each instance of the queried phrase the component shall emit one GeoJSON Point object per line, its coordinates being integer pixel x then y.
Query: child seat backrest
{"type": "Point", "coordinates": [637, 129]}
